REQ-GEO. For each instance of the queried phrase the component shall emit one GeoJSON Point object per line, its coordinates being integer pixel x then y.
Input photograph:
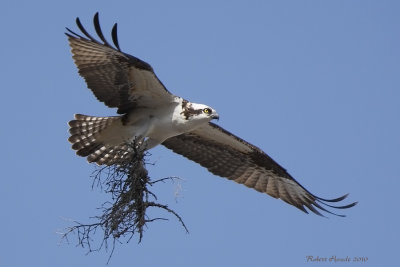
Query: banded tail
{"type": "Point", "coordinates": [92, 137]}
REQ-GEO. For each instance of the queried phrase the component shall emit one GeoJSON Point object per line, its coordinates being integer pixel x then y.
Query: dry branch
{"type": "Point", "coordinates": [125, 215]}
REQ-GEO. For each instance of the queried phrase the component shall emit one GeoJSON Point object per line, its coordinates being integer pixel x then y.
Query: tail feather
{"type": "Point", "coordinates": [109, 155]}
{"type": "Point", "coordinates": [85, 132]}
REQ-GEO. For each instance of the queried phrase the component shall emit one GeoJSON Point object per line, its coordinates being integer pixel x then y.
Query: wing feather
{"type": "Point", "coordinates": [229, 156]}
{"type": "Point", "coordinates": [118, 79]}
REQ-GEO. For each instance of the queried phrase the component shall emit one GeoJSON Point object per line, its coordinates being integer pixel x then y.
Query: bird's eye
{"type": "Point", "coordinates": [207, 111]}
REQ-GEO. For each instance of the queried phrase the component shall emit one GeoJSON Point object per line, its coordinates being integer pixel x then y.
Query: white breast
{"type": "Point", "coordinates": [157, 125]}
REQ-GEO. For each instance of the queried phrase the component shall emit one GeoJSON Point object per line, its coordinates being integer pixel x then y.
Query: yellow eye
{"type": "Point", "coordinates": [207, 111]}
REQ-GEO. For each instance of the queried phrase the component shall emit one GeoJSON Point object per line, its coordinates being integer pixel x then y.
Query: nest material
{"type": "Point", "coordinates": [125, 215]}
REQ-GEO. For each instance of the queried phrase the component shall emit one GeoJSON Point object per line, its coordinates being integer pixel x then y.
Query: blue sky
{"type": "Point", "coordinates": [316, 84]}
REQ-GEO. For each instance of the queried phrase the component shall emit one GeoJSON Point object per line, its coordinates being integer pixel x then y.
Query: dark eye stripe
{"type": "Point", "coordinates": [207, 110]}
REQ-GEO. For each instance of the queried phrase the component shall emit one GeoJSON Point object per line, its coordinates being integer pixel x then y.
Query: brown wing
{"type": "Point", "coordinates": [117, 79]}
{"type": "Point", "coordinates": [226, 155]}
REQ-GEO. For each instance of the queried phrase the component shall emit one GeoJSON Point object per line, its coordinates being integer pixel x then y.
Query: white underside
{"type": "Point", "coordinates": [150, 127]}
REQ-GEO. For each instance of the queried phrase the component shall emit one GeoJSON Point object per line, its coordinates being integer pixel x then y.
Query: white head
{"type": "Point", "coordinates": [198, 112]}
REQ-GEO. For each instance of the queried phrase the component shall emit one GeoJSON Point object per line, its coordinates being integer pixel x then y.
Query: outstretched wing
{"type": "Point", "coordinates": [226, 155]}
{"type": "Point", "coordinates": [115, 78]}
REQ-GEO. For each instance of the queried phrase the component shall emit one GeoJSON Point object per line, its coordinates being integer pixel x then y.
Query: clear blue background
{"type": "Point", "coordinates": [316, 84]}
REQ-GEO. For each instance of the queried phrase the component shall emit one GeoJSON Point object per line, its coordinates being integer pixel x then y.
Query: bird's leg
{"type": "Point", "coordinates": [149, 143]}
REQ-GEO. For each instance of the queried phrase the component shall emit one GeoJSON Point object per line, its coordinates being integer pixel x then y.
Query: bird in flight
{"type": "Point", "coordinates": [150, 115]}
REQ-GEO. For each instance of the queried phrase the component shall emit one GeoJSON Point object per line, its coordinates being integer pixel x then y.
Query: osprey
{"type": "Point", "coordinates": [151, 115]}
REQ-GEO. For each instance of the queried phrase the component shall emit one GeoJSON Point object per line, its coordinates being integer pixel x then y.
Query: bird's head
{"type": "Point", "coordinates": [198, 112]}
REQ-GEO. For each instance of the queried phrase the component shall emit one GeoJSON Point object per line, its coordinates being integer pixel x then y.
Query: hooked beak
{"type": "Point", "coordinates": [215, 116]}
